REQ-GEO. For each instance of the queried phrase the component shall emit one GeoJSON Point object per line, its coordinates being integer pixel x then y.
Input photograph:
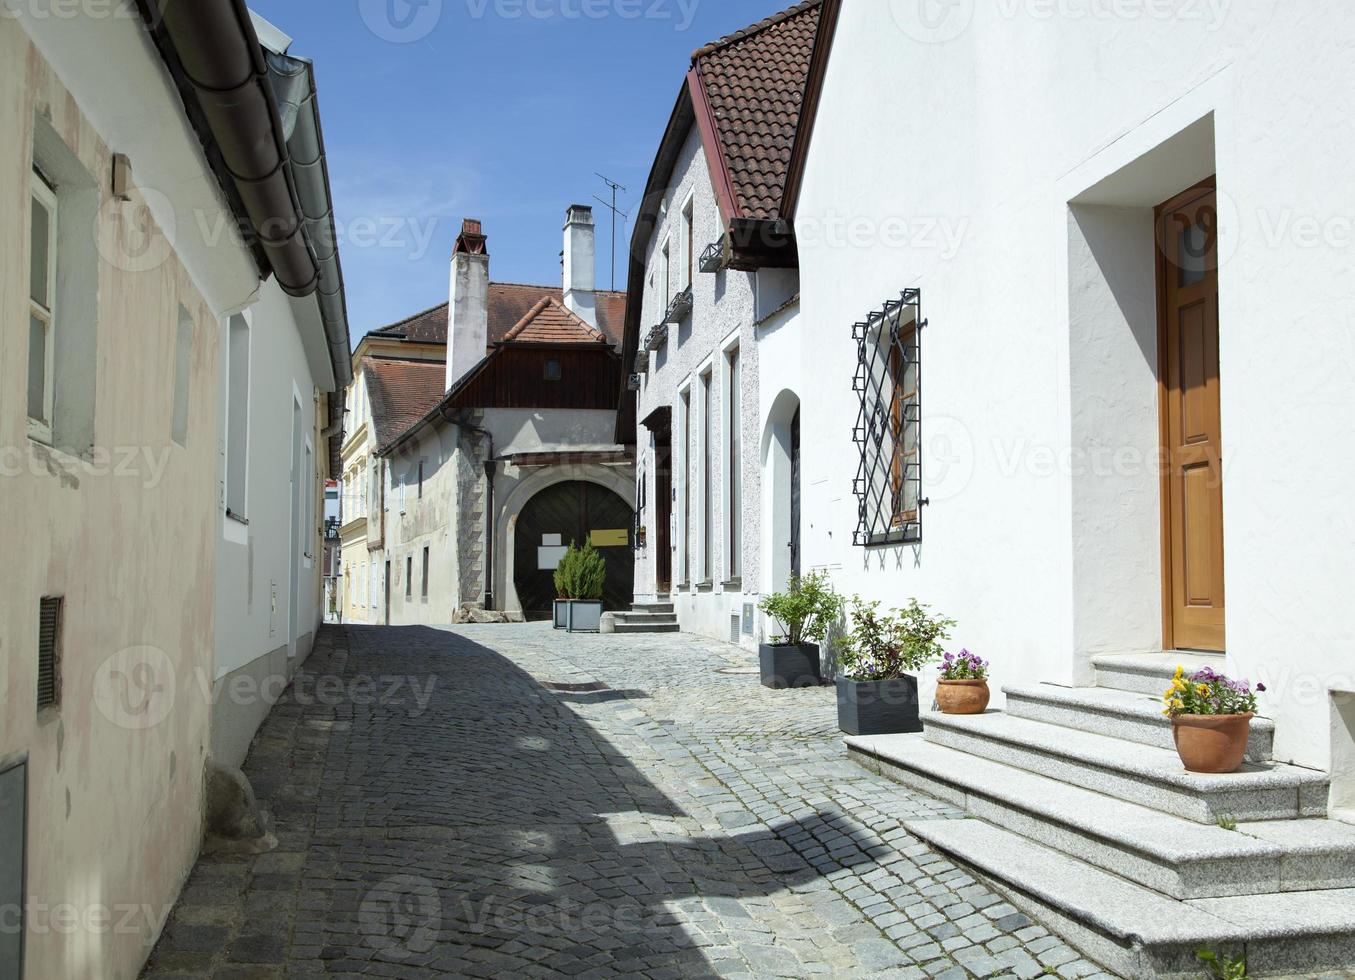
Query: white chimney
{"type": "Point", "coordinates": [580, 276]}
{"type": "Point", "coordinates": [468, 303]}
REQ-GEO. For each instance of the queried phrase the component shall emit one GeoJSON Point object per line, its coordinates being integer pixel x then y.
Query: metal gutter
{"type": "Point", "coordinates": [257, 113]}
{"type": "Point", "coordinates": [220, 58]}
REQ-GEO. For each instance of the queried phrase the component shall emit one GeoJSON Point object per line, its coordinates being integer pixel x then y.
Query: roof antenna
{"type": "Point", "coordinates": [615, 211]}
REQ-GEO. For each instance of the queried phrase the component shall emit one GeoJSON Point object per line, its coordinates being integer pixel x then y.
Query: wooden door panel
{"type": "Point", "coordinates": [1192, 430]}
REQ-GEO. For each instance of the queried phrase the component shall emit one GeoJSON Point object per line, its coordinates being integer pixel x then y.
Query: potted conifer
{"type": "Point", "coordinates": [579, 578]}
{"type": "Point", "coordinates": [878, 656]}
{"type": "Point", "coordinates": [804, 612]}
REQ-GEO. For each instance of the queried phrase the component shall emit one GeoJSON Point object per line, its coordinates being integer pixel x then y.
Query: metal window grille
{"type": "Point", "coordinates": [49, 646]}
{"type": "Point", "coordinates": [888, 432]}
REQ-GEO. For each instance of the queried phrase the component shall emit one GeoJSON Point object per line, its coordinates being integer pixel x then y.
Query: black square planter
{"type": "Point", "coordinates": [789, 666]}
{"type": "Point", "coordinates": [878, 707]}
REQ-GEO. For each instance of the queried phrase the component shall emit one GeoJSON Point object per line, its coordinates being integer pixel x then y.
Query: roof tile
{"type": "Point", "coordinates": [755, 82]}
{"type": "Point", "coordinates": [401, 393]}
{"type": "Point", "coordinates": [508, 304]}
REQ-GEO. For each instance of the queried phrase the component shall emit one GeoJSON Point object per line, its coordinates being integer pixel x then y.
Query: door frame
{"type": "Point", "coordinates": [1207, 186]}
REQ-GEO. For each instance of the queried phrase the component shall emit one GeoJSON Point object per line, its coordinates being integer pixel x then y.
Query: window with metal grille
{"type": "Point", "coordinates": [49, 652]}
{"type": "Point", "coordinates": [888, 484]}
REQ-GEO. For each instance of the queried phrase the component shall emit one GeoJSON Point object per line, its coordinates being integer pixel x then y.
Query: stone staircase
{"type": "Point", "coordinates": [654, 617]}
{"type": "Point", "coordinates": [1083, 815]}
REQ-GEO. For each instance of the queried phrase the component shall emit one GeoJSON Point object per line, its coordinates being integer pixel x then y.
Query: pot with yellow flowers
{"type": "Point", "coordinates": [1211, 719]}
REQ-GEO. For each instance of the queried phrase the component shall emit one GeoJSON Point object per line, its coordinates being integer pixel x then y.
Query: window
{"type": "Point", "coordinates": [707, 472]}
{"type": "Point", "coordinates": [183, 368]}
{"type": "Point", "coordinates": [889, 477]}
{"type": "Point", "coordinates": [49, 652]}
{"type": "Point", "coordinates": [42, 253]}
{"type": "Point", "coordinates": [688, 242]}
{"type": "Point", "coordinates": [424, 581]}
{"type": "Point", "coordinates": [308, 529]}
{"type": "Point", "coordinates": [409, 576]}
{"type": "Point", "coordinates": [237, 418]}
{"type": "Point", "coordinates": [404, 482]}
{"type": "Point", "coordinates": [665, 274]}
{"type": "Point", "coordinates": [685, 481]}
{"type": "Point", "coordinates": [553, 371]}
{"type": "Point", "coordinates": [65, 227]}
{"type": "Point", "coordinates": [420, 479]}
{"type": "Point", "coordinates": [734, 466]}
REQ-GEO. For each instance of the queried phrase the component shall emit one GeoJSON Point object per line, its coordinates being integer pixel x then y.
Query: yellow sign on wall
{"type": "Point", "coordinates": [610, 539]}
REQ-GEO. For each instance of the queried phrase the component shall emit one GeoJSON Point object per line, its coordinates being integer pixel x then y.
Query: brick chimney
{"type": "Point", "coordinates": [468, 302]}
{"type": "Point", "coordinates": [580, 276]}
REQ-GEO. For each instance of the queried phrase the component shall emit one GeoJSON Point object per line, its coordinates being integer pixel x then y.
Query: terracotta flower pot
{"type": "Point", "coordinates": [1211, 743]}
{"type": "Point", "coordinates": [962, 697]}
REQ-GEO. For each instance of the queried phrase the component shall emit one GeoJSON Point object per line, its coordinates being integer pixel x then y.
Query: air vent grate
{"type": "Point", "coordinates": [49, 645]}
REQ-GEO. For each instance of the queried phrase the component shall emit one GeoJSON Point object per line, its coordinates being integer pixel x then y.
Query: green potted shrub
{"type": "Point", "coordinates": [803, 612]}
{"type": "Point", "coordinates": [878, 657]}
{"type": "Point", "coordinates": [579, 579]}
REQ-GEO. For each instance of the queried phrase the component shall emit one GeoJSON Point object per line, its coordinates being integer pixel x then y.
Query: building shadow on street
{"type": "Point", "coordinates": [450, 814]}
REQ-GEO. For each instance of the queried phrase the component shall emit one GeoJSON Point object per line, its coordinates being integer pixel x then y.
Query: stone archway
{"type": "Point", "coordinates": [604, 478]}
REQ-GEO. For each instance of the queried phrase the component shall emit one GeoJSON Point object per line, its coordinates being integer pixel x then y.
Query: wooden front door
{"type": "Point", "coordinates": [1191, 431]}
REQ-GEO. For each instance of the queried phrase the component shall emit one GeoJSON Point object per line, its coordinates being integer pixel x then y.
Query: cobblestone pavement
{"type": "Point", "coordinates": [510, 801]}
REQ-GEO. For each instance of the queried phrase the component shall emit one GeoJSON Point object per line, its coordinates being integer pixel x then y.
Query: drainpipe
{"type": "Point", "coordinates": [489, 511]}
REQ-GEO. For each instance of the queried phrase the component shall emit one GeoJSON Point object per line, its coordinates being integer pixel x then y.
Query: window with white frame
{"type": "Point", "coordinates": [688, 241]}
{"type": "Point", "coordinates": [665, 277]}
{"type": "Point", "coordinates": [734, 462]}
{"type": "Point", "coordinates": [237, 418]}
{"type": "Point", "coordinates": [685, 483]}
{"type": "Point", "coordinates": [42, 255]}
{"type": "Point", "coordinates": [707, 478]}
{"type": "Point", "coordinates": [308, 529]}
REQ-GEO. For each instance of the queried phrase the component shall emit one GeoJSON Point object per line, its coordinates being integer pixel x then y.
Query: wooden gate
{"type": "Point", "coordinates": [572, 512]}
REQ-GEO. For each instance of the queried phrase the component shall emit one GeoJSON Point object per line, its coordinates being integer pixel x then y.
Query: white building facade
{"type": "Point", "coordinates": [1067, 371]}
{"type": "Point", "coordinates": [713, 275]}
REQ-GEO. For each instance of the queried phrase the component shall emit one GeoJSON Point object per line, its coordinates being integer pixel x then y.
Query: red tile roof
{"type": "Point", "coordinates": [508, 304]}
{"type": "Point", "coordinates": [401, 393]}
{"type": "Point", "coordinates": [755, 82]}
{"type": "Point", "coordinates": [551, 322]}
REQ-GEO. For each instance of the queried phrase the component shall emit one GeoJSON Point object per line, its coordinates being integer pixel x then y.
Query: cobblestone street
{"type": "Point", "coordinates": [509, 801]}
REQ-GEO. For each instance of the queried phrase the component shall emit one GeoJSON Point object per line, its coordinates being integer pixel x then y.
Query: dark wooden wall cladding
{"type": "Point", "coordinates": [515, 377]}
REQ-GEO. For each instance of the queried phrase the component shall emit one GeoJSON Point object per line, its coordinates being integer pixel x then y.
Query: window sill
{"type": "Point", "coordinates": [706, 586]}
{"type": "Point", "coordinates": [733, 585]}
{"type": "Point", "coordinates": [237, 518]}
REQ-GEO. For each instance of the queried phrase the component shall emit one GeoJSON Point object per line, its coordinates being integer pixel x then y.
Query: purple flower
{"type": "Point", "coordinates": [1260, 687]}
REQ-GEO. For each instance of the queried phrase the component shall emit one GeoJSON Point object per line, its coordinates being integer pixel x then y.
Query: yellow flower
{"type": "Point", "coordinates": [1180, 672]}
{"type": "Point", "coordinates": [1177, 704]}
{"type": "Point", "coordinates": [1179, 685]}
{"type": "Point", "coordinates": [1202, 690]}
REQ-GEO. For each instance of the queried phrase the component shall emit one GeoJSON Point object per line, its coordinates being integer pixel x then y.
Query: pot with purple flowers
{"type": "Point", "coordinates": [963, 687]}
{"type": "Point", "coordinates": [1211, 719]}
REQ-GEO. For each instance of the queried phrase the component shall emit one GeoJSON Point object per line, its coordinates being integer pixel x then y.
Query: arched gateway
{"type": "Point", "coordinates": [573, 511]}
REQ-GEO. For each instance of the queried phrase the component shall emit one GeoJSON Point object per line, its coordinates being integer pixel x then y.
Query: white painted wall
{"type": "Point", "coordinates": [255, 561]}
{"type": "Point", "coordinates": [724, 312]}
{"type": "Point", "coordinates": [1010, 174]}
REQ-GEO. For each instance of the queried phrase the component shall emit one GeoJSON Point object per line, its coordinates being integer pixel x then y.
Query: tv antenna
{"type": "Point", "coordinates": [615, 187]}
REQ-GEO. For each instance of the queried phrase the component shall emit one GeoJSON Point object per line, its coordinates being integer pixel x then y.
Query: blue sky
{"type": "Point", "coordinates": [497, 109]}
